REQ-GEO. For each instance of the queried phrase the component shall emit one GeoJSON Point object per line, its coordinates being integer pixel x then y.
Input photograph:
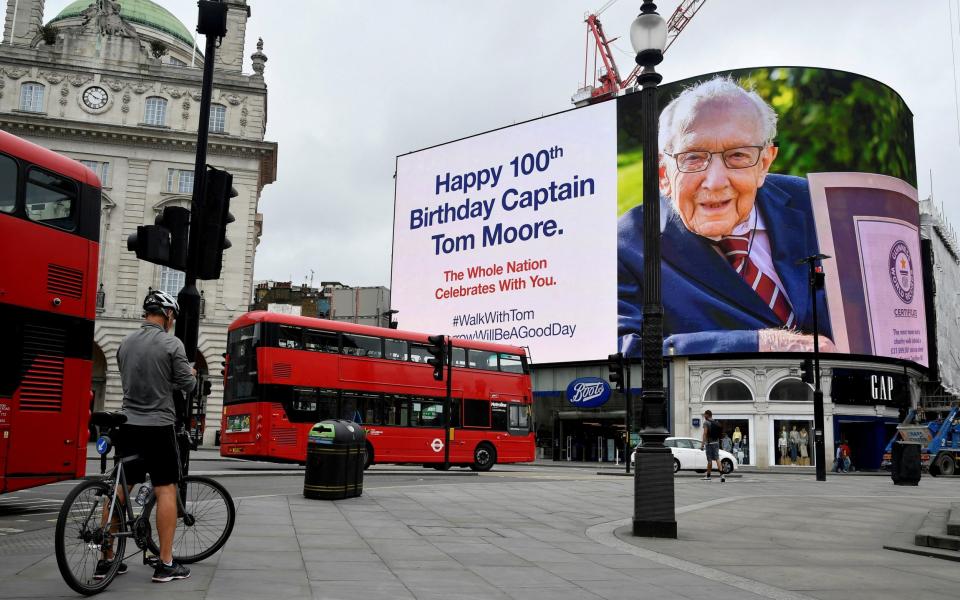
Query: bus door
{"type": "Point", "coordinates": [511, 424]}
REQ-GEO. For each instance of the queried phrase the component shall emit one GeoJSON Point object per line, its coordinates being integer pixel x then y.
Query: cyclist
{"type": "Point", "coordinates": [153, 364]}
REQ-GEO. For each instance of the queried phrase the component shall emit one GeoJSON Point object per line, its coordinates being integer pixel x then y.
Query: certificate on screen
{"type": "Point", "coordinates": [870, 227]}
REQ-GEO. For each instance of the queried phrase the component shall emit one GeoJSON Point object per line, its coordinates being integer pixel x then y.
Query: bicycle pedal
{"type": "Point", "coordinates": [150, 561]}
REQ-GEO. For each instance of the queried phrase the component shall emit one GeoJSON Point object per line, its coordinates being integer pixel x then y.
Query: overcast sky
{"type": "Point", "coordinates": [354, 83]}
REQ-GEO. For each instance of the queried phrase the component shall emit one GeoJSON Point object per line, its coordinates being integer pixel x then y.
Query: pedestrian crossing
{"type": "Point", "coordinates": [22, 505]}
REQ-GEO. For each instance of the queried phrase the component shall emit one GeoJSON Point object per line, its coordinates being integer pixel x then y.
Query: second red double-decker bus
{"type": "Point", "coordinates": [284, 373]}
{"type": "Point", "coordinates": [49, 227]}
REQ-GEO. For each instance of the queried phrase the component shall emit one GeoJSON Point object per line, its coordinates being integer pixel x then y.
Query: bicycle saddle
{"type": "Point", "coordinates": [108, 419]}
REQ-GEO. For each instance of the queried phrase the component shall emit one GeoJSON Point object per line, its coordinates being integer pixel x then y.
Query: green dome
{"type": "Point", "coordinates": [141, 12]}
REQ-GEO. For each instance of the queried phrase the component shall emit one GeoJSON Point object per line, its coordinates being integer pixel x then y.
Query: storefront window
{"type": "Point", "coordinates": [736, 438]}
{"type": "Point", "coordinates": [793, 442]}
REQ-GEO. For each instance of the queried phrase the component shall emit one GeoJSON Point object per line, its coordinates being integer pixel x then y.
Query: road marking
{"type": "Point", "coordinates": [603, 534]}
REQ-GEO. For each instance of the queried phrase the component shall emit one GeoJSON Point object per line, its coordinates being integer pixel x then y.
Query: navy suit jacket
{"type": "Point", "coordinates": [707, 307]}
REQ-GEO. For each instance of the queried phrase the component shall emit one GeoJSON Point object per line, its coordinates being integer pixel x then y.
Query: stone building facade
{"type": "Point", "coordinates": [116, 84]}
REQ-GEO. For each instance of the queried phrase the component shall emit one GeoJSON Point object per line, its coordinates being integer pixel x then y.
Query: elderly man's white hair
{"type": "Point", "coordinates": [680, 113]}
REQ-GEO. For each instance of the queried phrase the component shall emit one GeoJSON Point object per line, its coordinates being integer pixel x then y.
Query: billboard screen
{"type": "Point", "coordinates": [532, 235]}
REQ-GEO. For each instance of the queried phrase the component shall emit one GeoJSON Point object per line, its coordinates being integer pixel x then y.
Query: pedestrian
{"type": "Point", "coordinates": [712, 431]}
{"type": "Point", "coordinates": [845, 456]}
{"type": "Point", "coordinates": [153, 364]}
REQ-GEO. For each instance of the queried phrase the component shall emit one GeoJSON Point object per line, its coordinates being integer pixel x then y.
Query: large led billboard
{"type": "Point", "coordinates": [532, 234]}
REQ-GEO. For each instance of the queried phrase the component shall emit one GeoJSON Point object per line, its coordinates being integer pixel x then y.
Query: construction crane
{"type": "Point", "coordinates": [607, 81]}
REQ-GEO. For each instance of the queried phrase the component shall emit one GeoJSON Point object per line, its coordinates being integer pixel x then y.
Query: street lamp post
{"type": "Point", "coordinates": [653, 501]}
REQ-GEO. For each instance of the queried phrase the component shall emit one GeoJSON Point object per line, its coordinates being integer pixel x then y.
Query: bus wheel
{"type": "Point", "coordinates": [946, 464]}
{"type": "Point", "coordinates": [484, 457]}
{"type": "Point", "coordinates": [367, 457]}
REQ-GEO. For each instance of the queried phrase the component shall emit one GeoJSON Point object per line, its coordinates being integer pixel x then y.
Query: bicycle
{"type": "Point", "coordinates": [95, 520]}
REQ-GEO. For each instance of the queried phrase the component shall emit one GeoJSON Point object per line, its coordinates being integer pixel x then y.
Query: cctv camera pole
{"type": "Point", "coordinates": [212, 22]}
{"type": "Point", "coordinates": [816, 283]}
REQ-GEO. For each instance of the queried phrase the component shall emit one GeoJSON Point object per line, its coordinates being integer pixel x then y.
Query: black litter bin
{"type": "Point", "coordinates": [905, 463]}
{"type": "Point", "coordinates": [335, 458]}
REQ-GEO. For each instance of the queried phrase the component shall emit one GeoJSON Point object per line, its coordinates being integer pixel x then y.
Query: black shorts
{"type": "Point", "coordinates": [713, 450]}
{"type": "Point", "coordinates": [158, 451]}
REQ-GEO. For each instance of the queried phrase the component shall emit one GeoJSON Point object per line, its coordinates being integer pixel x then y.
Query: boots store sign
{"type": "Point", "coordinates": [588, 392]}
{"type": "Point", "coordinates": [851, 386]}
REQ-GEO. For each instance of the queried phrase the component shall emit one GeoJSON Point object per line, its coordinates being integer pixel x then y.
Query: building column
{"type": "Point", "coordinates": [23, 21]}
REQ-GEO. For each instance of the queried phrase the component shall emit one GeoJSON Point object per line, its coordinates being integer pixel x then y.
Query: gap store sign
{"type": "Point", "coordinates": [588, 392]}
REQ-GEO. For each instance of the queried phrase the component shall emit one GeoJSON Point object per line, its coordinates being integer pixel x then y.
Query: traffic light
{"type": "Point", "coordinates": [212, 232]}
{"type": "Point", "coordinates": [616, 370]}
{"type": "Point", "coordinates": [806, 371]}
{"type": "Point", "coordinates": [438, 348]}
{"type": "Point", "coordinates": [166, 242]}
{"type": "Point", "coordinates": [817, 278]}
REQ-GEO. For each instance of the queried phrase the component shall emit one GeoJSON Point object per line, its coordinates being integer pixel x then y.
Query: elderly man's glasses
{"type": "Point", "coordinates": [734, 158]}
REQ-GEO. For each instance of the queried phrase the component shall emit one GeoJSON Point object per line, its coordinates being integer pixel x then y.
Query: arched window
{"type": "Point", "coordinates": [171, 281]}
{"type": "Point", "coordinates": [31, 97]}
{"type": "Point", "coordinates": [789, 390]}
{"type": "Point", "coordinates": [218, 118]}
{"type": "Point", "coordinates": [728, 390]}
{"type": "Point", "coordinates": [156, 111]}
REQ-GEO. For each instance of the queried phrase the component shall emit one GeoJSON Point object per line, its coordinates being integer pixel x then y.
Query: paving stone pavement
{"type": "Point", "coordinates": [553, 537]}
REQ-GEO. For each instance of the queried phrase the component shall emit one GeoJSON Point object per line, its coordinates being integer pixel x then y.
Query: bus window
{"type": "Point", "coordinates": [395, 349]}
{"type": "Point", "coordinates": [476, 413]}
{"type": "Point", "coordinates": [419, 353]}
{"type": "Point", "coordinates": [321, 341]}
{"type": "Point", "coordinates": [326, 405]}
{"type": "Point", "coordinates": [482, 359]}
{"type": "Point", "coordinates": [362, 345]}
{"type": "Point", "coordinates": [8, 184]}
{"type": "Point", "coordinates": [498, 416]}
{"type": "Point", "coordinates": [511, 363]}
{"type": "Point", "coordinates": [459, 357]}
{"type": "Point", "coordinates": [241, 382]}
{"type": "Point", "coordinates": [290, 337]}
{"type": "Point", "coordinates": [396, 410]}
{"type": "Point", "coordinates": [303, 406]}
{"type": "Point", "coordinates": [50, 199]}
{"type": "Point", "coordinates": [359, 407]}
{"type": "Point", "coordinates": [427, 412]}
{"type": "Point", "coordinates": [519, 418]}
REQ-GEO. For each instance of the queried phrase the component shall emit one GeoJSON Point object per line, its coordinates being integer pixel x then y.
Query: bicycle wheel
{"type": "Point", "coordinates": [81, 537]}
{"type": "Point", "coordinates": [205, 524]}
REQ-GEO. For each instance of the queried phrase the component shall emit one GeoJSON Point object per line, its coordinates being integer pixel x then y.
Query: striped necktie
{"type": "Point", "coordinates": [737, 250]}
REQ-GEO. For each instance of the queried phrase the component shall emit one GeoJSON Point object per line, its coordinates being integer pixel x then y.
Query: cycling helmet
{"type": "Point", "coordinates": [158, 301]}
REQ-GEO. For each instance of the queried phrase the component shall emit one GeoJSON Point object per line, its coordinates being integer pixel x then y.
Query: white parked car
{"type": "Point", "coordinates": [689, 455]}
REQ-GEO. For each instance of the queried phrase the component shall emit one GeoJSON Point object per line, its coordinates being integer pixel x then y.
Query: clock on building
{"type": "Point", "coordinates": [95, 97]}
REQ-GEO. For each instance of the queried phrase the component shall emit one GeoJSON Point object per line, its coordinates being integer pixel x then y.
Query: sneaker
{"type": "Point", "coordinates": [163, 573]}
{"type": "Point", "coordinates": [103, 565]}
{"type": "Point", "coordinates": [707, 478]}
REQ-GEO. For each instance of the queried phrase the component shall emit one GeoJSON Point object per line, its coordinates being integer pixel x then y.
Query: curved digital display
{"type": "Point", "coordinates": [532, 235]}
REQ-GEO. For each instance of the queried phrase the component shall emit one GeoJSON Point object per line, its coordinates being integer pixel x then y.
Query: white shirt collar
{"type": "Point", "coordinates": [753, 222]}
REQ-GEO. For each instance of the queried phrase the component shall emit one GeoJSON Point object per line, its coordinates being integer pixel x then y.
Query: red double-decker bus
{"type": "Point", "coordinates": [49, 228]}
{"type": "Point", "coordinates": [284, 373]}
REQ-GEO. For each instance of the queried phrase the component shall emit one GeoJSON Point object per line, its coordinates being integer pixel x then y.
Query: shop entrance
{"type": "Point", "coordinates": [867, 440]}
{"type": "Point", "coordinates": [591, 437]}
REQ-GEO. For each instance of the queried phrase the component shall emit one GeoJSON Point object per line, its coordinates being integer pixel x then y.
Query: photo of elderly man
{"type": "Point", "coordinates": [732, 233]}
